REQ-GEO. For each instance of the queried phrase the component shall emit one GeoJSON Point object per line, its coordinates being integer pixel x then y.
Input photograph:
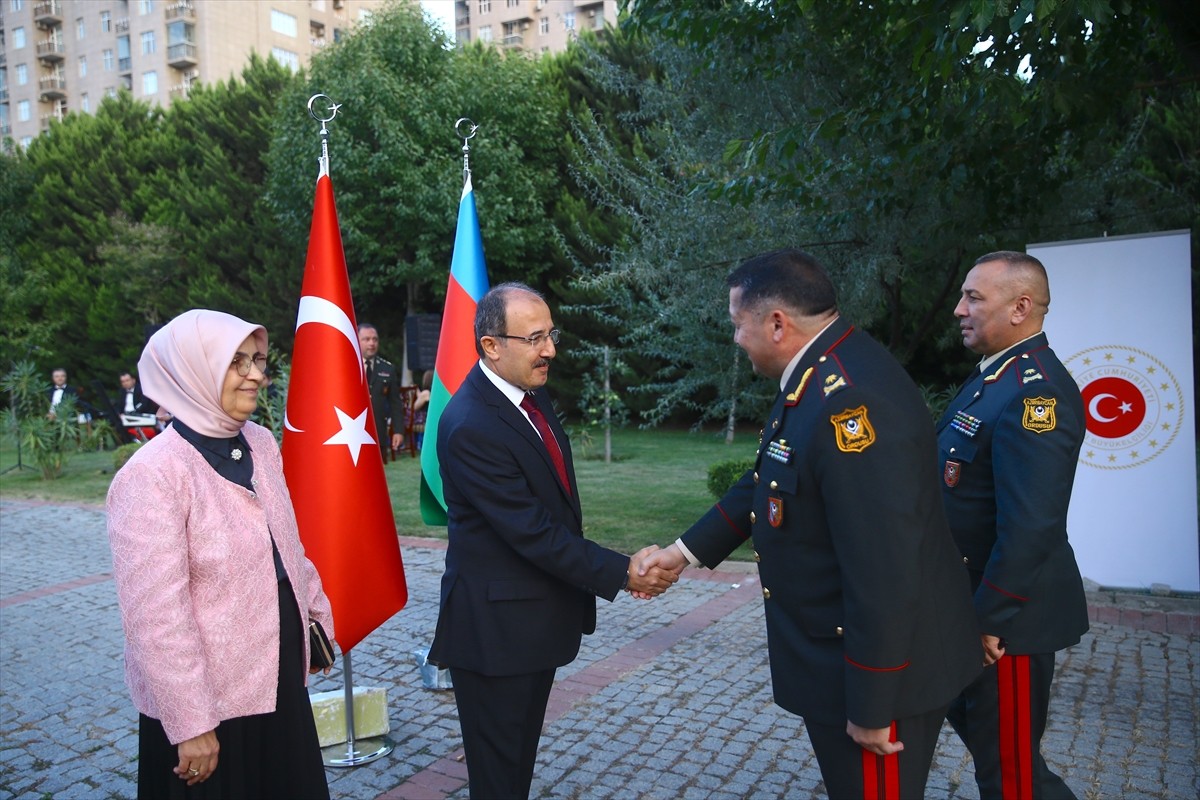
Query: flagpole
{"type": "Point", "coordinates": [470, 127]}
{"type": "Point", "coordinates": [362, 752]}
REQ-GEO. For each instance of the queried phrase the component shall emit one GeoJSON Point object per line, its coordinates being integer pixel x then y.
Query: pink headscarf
{"type": "Point", "coordinates": [184, 365]}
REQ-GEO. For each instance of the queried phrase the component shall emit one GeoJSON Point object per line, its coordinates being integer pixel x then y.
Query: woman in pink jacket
{"type": "Point", "coordinates": [215, 591]}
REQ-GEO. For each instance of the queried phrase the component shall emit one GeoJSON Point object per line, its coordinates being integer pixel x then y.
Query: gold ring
{"type": "Point", "coordinates": [193, 771]}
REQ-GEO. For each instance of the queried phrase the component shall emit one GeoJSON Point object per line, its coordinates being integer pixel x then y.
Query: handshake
{"type": "Point", "coordinates": [652, 571]}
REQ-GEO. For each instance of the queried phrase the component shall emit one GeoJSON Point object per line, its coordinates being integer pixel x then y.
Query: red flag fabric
{"type": "Point", "coordinates": [331, 460]}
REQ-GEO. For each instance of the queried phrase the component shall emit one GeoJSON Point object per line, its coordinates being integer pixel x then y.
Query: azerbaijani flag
{"type": "Point", "coordinates": [456, 346]}
{"type": "Point", "coordinates": [331, 460]}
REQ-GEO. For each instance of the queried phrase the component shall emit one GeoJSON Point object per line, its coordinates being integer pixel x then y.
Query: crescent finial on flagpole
{"type": "Point", "coordinates": [332, 111]}
{"type": "Point", "coordinates": [470, 127]}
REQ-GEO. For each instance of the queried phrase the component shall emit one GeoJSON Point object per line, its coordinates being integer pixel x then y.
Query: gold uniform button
{"type": "Point", "coordinates": [756, 479]}
{"type": "Point", "coordinates": [839, 630]}
{"type": "Point", "coordinates": [774, 485]}
{"type": "Point", "coordinates": [752, 517]}
{"type": "Point", "coordinates": [966, 560]}
{"type": "Point", "coordinates": [821, 359]}
{"type": "Point", "coordinates": [766, 593]}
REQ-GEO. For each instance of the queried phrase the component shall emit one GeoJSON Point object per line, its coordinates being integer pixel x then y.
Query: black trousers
{"type": "Point", "coordinates": [501, 720]}
{"type": "Point", "coordinates": [851, 772]}
{"type": "Point", "coordinates": [1001, 718]}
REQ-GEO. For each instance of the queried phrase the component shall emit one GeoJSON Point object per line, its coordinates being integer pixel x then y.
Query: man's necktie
{"type": "Point", "coordinates": [370, 362]}
{"type": "Point", "coordinates": [539, 421]}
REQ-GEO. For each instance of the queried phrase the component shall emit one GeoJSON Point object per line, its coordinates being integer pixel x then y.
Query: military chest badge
{"type": "Point", "coordinates": [775, 511]}
{"type": "Point", "coordinates": [1039, 414]}
{"type": "Point", "coordinates": [780, 451]}
{"type": "Point", "coordinates": [853, 430]}
{"type": "Point", "coordinates": [966, 424]}
{"type": "Point", "coordinates": [952, 473]}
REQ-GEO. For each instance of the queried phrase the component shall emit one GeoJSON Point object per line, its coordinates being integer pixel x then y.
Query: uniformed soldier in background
{"type": "Point", "coordinates": [1008, 446]}
{"type": "Point", "coordinates": [384, 384]}
{"type": "Point", "coordinates": [870, 629]}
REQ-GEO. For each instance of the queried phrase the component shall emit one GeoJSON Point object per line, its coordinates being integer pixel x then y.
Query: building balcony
{"type": "Point", "coordinates": [5, 130]}
{"type": "Point", "coordinates": [513, 40]}
{"type": "Point", "coordinates": [121, 25]}
{"type": "Point", "coordinates": [4, 95]}
{"type": "Point", "coordinates": [48, 118]}
{"type": "Point", "coordinates": [51, 50]}
{"type": "Point", "coordinates": [125, 64]}
{"type": "Point", "coordinates": [182, 55]}
{"type": "Point", "coordinates": [47, 13]}
{"type": "Point", "coordinates": [180, 91]}
{"type": "Point", "coordinates": [52, 87]}
{"type": "Point", "coordinates": [182, 10]}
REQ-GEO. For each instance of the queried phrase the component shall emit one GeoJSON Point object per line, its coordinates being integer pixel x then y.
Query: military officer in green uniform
{"type": "Point", "coordinates": [870, 630]}
{"type": "Point", "coordinates": [1009, 443]}
{"type": "Point", "coordinates": [384, 385]}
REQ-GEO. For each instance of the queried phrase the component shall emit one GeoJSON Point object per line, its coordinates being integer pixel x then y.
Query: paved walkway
{"type": "Point", "coordinates": [670, 698]}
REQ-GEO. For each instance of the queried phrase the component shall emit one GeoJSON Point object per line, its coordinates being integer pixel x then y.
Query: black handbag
{"type": "Point", "coordinates": [320, 649]}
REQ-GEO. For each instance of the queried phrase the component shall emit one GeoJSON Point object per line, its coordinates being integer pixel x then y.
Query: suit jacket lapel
{"type": "Point", "coordinates": [515, 419]}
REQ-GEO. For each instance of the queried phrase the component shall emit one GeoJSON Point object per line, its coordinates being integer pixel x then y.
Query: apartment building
{"type": "Point", "coordinates": [532, 26]}
{"type": "Point", "coordinates": [61, 56]}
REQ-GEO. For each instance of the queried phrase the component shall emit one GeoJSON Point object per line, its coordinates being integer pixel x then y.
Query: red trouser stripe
{"type": "Point", "coordinates": [881, 774]}
{"type": "Point", "coordinates": [1016, 737]}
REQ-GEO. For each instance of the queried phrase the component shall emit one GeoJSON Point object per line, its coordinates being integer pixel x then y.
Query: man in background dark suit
{"type": "Point", "coordinates": [869, 625]}
{"type": "Point", "coordinates": [60, 389]}
{"type": "Point", "coordinates": [131, 400]}
{"type": "Point", "coordinates": [384, 385]}
{"type": "Point", "coordinates": [1009, 443]}
{"type": "Point", "coordinates": [521, 582]}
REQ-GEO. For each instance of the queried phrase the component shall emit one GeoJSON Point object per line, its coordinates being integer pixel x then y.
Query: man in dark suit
{"type": "Point", "coordinates": [131, 400]}
{"type": "Point", "coordinates": [521, 582]}
{"type": "Point", "coordinates": [384, 386]}
{"type": "Point", "coordinates": [60, 389]}
{"type": "Point", "coordinates": [870, 631]}
{"type": "Point", "coordinates": [1008, 447]}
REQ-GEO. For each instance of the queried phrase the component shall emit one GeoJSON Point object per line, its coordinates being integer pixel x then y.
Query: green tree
{"type": "Point", "coordinates": [396, 161]}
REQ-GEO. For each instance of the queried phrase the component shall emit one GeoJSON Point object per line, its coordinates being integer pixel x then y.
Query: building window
{"type": "Point", "coordinates": [544, 25]}
{"type": "Point", "coordinates": [22, 74]}
{"type": "Point", "coordinates": [150, 83]}
{"type": "Point", "coordinates": [16, 5]}
{"type": "Point", "coordinates": [23, 111]}
{"type": "Point", "coordinates": [105, 21]}
{"type": "Point", "coordinates": [514, 3]}
{"type": "Point", "coordinates": [283, 23]}
{"type": "Point", "coordinates": [145, 7]}
{"type": "Point", "coordinates": [287, 58]}
{"type": "Point", "coordinates": [18, 38]}
{"type": "Point", "coordinates": [79, 29]}
{"type": "Point", "coordinates": [147, 43]}
{"type": "Point", "coordinates": [318, 5]}
{"type": "Point", "coordinates": [485, 33]}
{"type": "Point", "coordinates": [485, 6]}
{"type": "Point", "coordinates": [85, 105]}
{"type": "Point", "coordinates": [83, 66]}
{"type": "Point", "coordinates": [110, 91]}
{"type": "Point", "coordinates": [110, 61]}
{"type": "Point", "coordinates": [569, 20]}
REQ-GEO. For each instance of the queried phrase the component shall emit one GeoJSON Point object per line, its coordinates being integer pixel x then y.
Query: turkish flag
{"type": "Point", "coordinates": [332, 463]}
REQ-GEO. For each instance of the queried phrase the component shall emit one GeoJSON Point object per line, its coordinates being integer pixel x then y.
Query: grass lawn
{"type": "Point", "coordinates": [653, 489]}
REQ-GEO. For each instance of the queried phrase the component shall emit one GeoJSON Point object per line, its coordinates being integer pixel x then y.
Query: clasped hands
{"type": "Point", "coordinates": [653, 570]}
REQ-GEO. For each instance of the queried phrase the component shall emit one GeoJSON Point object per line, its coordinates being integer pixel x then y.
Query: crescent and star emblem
{"type": "Point", "coordinates": [352, 430]}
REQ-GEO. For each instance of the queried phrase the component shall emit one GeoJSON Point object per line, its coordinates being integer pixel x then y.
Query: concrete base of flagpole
{"type": "Point", "coordinates": [352, 754]}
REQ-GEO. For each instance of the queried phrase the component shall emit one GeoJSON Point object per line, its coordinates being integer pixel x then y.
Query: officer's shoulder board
{"type": "Point", "coordinates": [830, 375]}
